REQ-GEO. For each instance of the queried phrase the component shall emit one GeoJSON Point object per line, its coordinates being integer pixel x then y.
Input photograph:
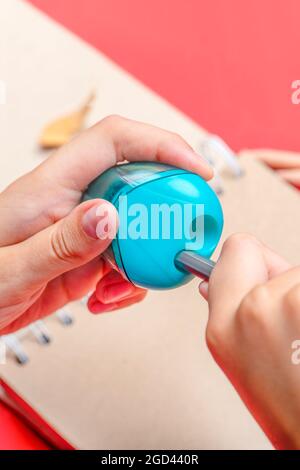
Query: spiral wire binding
{"type": "Point", "coordinates": [38, 330]}
{"type": "Point", "coordinates": [222, 158]}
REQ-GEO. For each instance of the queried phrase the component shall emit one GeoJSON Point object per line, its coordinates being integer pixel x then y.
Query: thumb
{"type": "Point", "coordinates": [73, 241]}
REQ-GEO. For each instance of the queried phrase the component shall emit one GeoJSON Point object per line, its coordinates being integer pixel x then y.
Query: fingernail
{"type": "Point", "coordinates": [116, 292]}
{"type": "Point", "coordinates": [203, 289]}
{"type": "Point", "coordinates": [98, 222]}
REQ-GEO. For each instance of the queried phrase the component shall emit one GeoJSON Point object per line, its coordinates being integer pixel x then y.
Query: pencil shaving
{"type": "Point", "coordinates": [60, 131]}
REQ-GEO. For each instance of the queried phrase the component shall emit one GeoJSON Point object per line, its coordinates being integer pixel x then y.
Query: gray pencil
{"type": "Point", "coordinates": [194, 263]}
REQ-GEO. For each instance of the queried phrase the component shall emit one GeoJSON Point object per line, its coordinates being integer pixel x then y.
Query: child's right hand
{"type": "Point", "coordinates": [254, 324]}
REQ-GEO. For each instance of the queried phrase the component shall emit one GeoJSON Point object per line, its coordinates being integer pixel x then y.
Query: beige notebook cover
{"type": "Point", "coordinates": [142, 377]}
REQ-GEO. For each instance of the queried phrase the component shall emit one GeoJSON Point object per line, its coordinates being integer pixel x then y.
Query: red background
{"type": "Point", "coordinates": [14, 435]}
{"type": "Point", "coordinates": [229, 64]}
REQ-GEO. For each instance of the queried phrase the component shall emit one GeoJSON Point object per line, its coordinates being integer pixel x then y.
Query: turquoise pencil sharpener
{"type": "Point", "coordinates": [170, 220]}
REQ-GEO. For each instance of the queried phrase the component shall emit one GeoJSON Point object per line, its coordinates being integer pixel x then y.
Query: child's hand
{"type": "Point", "coordinates": [49, 251]}
{"type": "Point", "coordinates": [287, 164]}
{"type": "Point", "coordinates": [254, 321]}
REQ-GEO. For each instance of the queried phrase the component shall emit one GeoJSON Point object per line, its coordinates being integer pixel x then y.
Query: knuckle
{"type": "Point", "coordinates": [239, 238]}
{"type": "Point", "coordinates": [112, 120]}
{"type": "Point", "coordinates": [291, 301]}
{"type": "Point", "coordinates": [62, 246]}
{"type": "Point", "coordinates": [175, 137]}
{"type": "Point", "coordinates": [254, 306]}
{"type": "Point", "coordinates": [167, 140]}
{"type": "Point", "coordinates": [214, 336]}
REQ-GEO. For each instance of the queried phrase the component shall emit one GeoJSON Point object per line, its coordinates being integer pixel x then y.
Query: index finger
{"type": "Point", "coordinates": [244, 263]}
{"type": "Point", "coordinates": [115, 139]}
{"type": "Point", "coordinates": [276, 159]}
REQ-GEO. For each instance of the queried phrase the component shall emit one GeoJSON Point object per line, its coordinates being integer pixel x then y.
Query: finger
{"type": "Point", "coordinates": [291, 176]}
{"type": "Point", "coordinates": [96, 306]}
{"type": "Point", "coordinates": [284, 282]}
{"type": "Point", "coordinates": [60, 291]}
{"type": "Point", "coordinates": [203, 289]}
{"type": "Point", "coordinates": [115, 291]}
{"type": "Point", "coordinates": [274, 262]}
{"type": "Point", "coordinates": [113, 287]}
{"type": "Point", "coordinates": [72, 285]}
{"type": "Point", "coordinates": [72, 242]}
{"type": "Point", "coordinates": [115, 139]}
{"type": "Point", "coordinates": [276, 159]}
{"type": "Point", "coordinates": [275, 265]}
{"type": "Point", "coordinates": [244, 263]}
{"type": "Point", "coordinates": [60, 180]}
{"type": "Point", "coordinates": [111, 277]}
{"type": "Point", "coordinates": [135, 299]}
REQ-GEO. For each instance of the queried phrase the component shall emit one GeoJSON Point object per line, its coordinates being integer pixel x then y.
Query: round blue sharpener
{"type": "Point", "coordinates": [163, 212]}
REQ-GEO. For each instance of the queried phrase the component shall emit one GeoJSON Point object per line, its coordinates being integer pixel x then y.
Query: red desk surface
{"type": "Point", "coordinates": [15, 435]}
{"type": "Point", "coordinates": [228, 64]}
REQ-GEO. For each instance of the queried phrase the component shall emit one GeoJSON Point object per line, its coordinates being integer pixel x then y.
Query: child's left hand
{"type": "Point", "coordinates": [49, 250]}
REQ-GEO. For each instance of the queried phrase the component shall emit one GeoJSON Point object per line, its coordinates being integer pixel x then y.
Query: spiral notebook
{"type": "Point", "coordinates": [141, 377]}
